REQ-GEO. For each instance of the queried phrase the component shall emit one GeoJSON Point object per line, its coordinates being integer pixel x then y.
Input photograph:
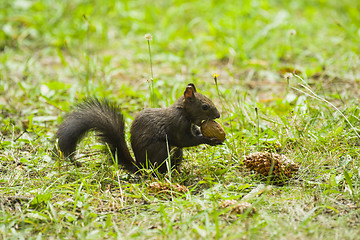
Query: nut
{"type": "Point", "coordinates": [212, 129]}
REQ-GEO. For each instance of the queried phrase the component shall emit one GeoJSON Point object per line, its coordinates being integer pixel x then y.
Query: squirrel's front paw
{"type": "Point", "coordinates": [215, 141]}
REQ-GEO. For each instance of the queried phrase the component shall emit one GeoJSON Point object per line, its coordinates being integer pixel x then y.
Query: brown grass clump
{"type": "Point", "coordinates": [238, 207]}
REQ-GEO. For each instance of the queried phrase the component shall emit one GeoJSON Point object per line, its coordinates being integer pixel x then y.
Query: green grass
{"type": "Point", "coordinates": [54, 53]}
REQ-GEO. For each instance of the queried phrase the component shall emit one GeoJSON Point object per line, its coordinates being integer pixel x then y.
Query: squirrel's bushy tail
{"type": "Point", "coordinates": [103, 117]}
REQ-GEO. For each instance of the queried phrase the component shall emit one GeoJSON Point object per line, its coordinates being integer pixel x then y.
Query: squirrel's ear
{"type": "Point", "coordinates": [192, 85]}
{"type": "Point", "coordinates": [189, 92]}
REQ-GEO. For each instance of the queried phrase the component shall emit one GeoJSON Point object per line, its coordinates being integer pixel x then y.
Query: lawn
{"type": "Point", "coordinates": [289, 80]}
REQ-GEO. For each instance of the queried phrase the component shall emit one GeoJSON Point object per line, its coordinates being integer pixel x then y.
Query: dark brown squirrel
{"type": "Point", "coordinates": [155, 132]}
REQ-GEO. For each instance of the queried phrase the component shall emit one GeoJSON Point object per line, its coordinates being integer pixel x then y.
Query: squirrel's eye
{"type": "Point", "coordinates": [205, 107]}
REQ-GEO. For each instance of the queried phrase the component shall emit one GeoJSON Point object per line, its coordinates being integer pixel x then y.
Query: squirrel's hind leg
{"type": "Point", "coordinates": [157, 157]}
{"type": "Point", "coordinates": [176, 156]}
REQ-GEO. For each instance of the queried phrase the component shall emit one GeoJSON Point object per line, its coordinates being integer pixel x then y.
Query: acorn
{"type": "Point", "coordinates": [277, 166]}
{"type": "Point", "coordinates": [212, 129]}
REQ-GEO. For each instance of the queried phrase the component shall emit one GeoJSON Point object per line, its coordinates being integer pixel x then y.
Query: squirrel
{"type": "Point", "coordinates": [155, 133]}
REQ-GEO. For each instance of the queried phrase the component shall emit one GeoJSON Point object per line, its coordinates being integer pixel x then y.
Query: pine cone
{"type": "Point", "coordinates": [283, 168]}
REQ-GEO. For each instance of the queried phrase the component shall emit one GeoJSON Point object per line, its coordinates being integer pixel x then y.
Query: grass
{"type": "Point", "coordinates": [54, 53]}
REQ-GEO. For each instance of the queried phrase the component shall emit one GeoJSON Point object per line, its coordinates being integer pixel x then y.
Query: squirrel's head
{"type": "Point", "coordinates": [198, 107]}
